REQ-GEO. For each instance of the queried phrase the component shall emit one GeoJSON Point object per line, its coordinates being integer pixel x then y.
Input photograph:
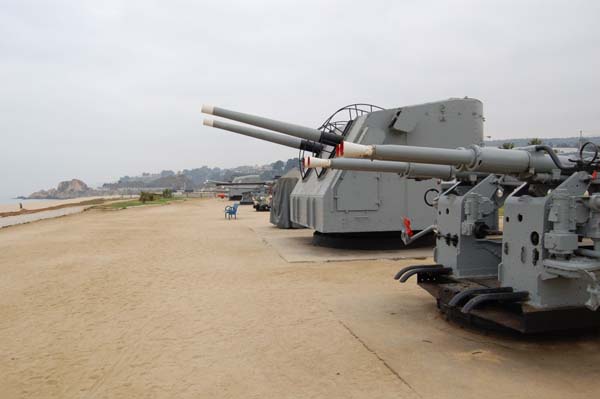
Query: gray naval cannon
{"type": "Point", "coordinates": [416, 171]}
{"type": "Point", "coordinates": [475, 199]}
{"type": "Point", "coordinates": [353, 207]}
{"type": "Point", "coordinates": [541, 272]}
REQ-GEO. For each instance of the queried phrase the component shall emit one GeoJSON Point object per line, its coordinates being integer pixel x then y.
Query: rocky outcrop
{"type": "Point", "coordinates": [66, 189]}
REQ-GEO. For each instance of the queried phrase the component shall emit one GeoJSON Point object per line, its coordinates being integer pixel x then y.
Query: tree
{"type": "Point", "coordinates": [147, 196]}
{"type": "Point", "coordinates": [535, 141]}
{"type": "Point", "coordinates": [290, 164]}
{"type": "Point", "coordinates": [167, 193]}
{"type": "Point", "coordinates": [278, 166]}
{"type": "Point", "coordinates": [267, 175]}
{"type": "Point", "coordinates": [229, 175]}
{"type": "Point", "coordinates": [507, 146]}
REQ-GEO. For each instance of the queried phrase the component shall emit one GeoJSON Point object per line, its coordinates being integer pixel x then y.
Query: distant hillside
{"type": "Point", "coordinates": [187, 179]}
{"type": "Point", "coordinates": [562, 142]}
{"type": "Point", "coordinates": [195, 178]}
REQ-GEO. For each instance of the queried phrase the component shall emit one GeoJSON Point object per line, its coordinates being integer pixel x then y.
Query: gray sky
{"type": "Point", "coordinates": [100, 89]}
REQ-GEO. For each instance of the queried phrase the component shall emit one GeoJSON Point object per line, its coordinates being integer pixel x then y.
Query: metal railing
{"type": "Point", "coordinates": [338, 123]}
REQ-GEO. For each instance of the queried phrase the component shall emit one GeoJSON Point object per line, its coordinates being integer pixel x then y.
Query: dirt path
{"type": "Point", "coordinates": [176, 302]}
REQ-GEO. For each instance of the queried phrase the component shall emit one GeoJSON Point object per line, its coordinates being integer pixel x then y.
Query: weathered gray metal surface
{"type": "Point", "coordinates": [541, 243]}
{"type": "Point", "coordinates": [266, 123]}
{"type": "Point", "coordinates": [280, 205]}
{"type": "Point", "coordinates": [459, 220]}
{"type": "Point", "coordinates": [405, 169]}
{"type": "Point", "coordinates": [237, 191]}
{"type": "Point", "coordinates": [482, 159]}
{"type": "Point", "coordinates": [322, 203]}
{"type": "Point", "coordinates": [543, 262]}
{"type": "Point", "coordinates": [353, 201]}
{"type": "Point", "coordinates": [281, 139]}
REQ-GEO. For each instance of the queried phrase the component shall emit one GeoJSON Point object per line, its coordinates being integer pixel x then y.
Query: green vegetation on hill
{"type": "Point", "coordinates": [144, 199]}
{"type": "Point", "coordinates": [195, 178]}
{"type": "Point", "coordinates": [559, 142]}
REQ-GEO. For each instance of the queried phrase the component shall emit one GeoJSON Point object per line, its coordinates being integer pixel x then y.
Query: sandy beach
{"type": "Point", "coordinates": [176, 302]}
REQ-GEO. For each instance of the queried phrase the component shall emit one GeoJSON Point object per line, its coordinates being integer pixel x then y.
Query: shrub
{"type": "Point", "coordinates": [146, 196]}
{"type": "Point", "coordinates": [167, 193]}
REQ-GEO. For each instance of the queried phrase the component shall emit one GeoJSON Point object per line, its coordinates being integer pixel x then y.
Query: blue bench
{"type": "Point", "coordinates": [231, 211]}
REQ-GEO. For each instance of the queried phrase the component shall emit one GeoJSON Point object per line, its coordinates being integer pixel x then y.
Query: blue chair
{"type": "Point", "coordinates": [231, 211]}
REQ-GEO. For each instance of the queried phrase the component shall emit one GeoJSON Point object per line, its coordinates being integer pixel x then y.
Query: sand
{"type": "Point", "coordinates": [176, 302]}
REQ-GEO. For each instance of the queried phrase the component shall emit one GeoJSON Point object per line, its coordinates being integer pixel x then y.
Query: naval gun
{"type": "Point", "coordinates": [475, 199]}
{"type": "Point", "coordinates": [541, 272]}
{"type": "Point", "coordinates": [352, 204]}
{"type": "Point", "coordinates": [416, 171]}
{"type": "Point", "coordinates": [242, 187]}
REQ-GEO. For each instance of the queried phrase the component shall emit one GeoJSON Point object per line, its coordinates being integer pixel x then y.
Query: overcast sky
{"type": "Point", "coordinates": [100, 89]}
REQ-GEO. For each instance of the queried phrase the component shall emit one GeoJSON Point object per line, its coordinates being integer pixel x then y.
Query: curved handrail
{"type": "Point", "coordinates": [337, 123]}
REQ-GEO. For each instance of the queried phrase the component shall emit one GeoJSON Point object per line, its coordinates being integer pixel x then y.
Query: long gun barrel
{"type": "Point", "coordinates": [290, 129]}
{"type": "Point", "coordinates": [276, 138]}
{"type": "Point", "coordinates": [529, 160]}
{"type": "Point", "coordinates": [406, 169]}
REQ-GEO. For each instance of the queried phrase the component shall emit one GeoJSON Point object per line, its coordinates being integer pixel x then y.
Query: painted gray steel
{"type": "Point", "coordinates": [350, 201]}
{"type": "Point", "coordinates": [276, 138]}
{"type": "Point", "coordinates": [346, 201]}
{"type": "Point", "coordinates": [476, 158]}
{"type": "Point", "coordinates": [444, 172]}
{"type": "Point", "coordinates": [270, 124]}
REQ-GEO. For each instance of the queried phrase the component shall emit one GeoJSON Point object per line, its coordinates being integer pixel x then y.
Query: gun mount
{"type": "Point", "coordinates": [348, 202]}
{"type": "Point", "coordinates": [540, 272]}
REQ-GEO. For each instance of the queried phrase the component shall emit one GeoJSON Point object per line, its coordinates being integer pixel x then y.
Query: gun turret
{"type": "Point", "coordinates": [265, 135]}
{"type": "Point", "coordinates": [290, 129]}
{"type": "Point", "coordinates": [526, 160]}
{"type": "Point", "coordinates": [318, 200]}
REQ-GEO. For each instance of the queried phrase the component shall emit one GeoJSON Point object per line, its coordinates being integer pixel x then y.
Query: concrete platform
{"type": "Point", "coordinates": [295, 245]}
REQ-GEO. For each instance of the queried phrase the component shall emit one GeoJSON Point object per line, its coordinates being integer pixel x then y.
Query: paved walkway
{"type": "Point", "coordinates": [32, 217]}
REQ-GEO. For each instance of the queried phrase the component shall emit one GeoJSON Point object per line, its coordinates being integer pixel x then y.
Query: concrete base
{"type": "Point", "coordinates": [297, 246]}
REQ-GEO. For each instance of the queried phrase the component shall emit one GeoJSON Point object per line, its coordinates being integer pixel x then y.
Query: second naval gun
{"type": "Point", "coordinates": [541, 272]}
{"type": "Point", "coordinates": [351, 203]}
{"type": "Point", "coordinates": [241, 187]}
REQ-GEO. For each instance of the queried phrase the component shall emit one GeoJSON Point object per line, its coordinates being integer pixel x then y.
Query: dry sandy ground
{"type": "Point", "coordinates": [176, 302]}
